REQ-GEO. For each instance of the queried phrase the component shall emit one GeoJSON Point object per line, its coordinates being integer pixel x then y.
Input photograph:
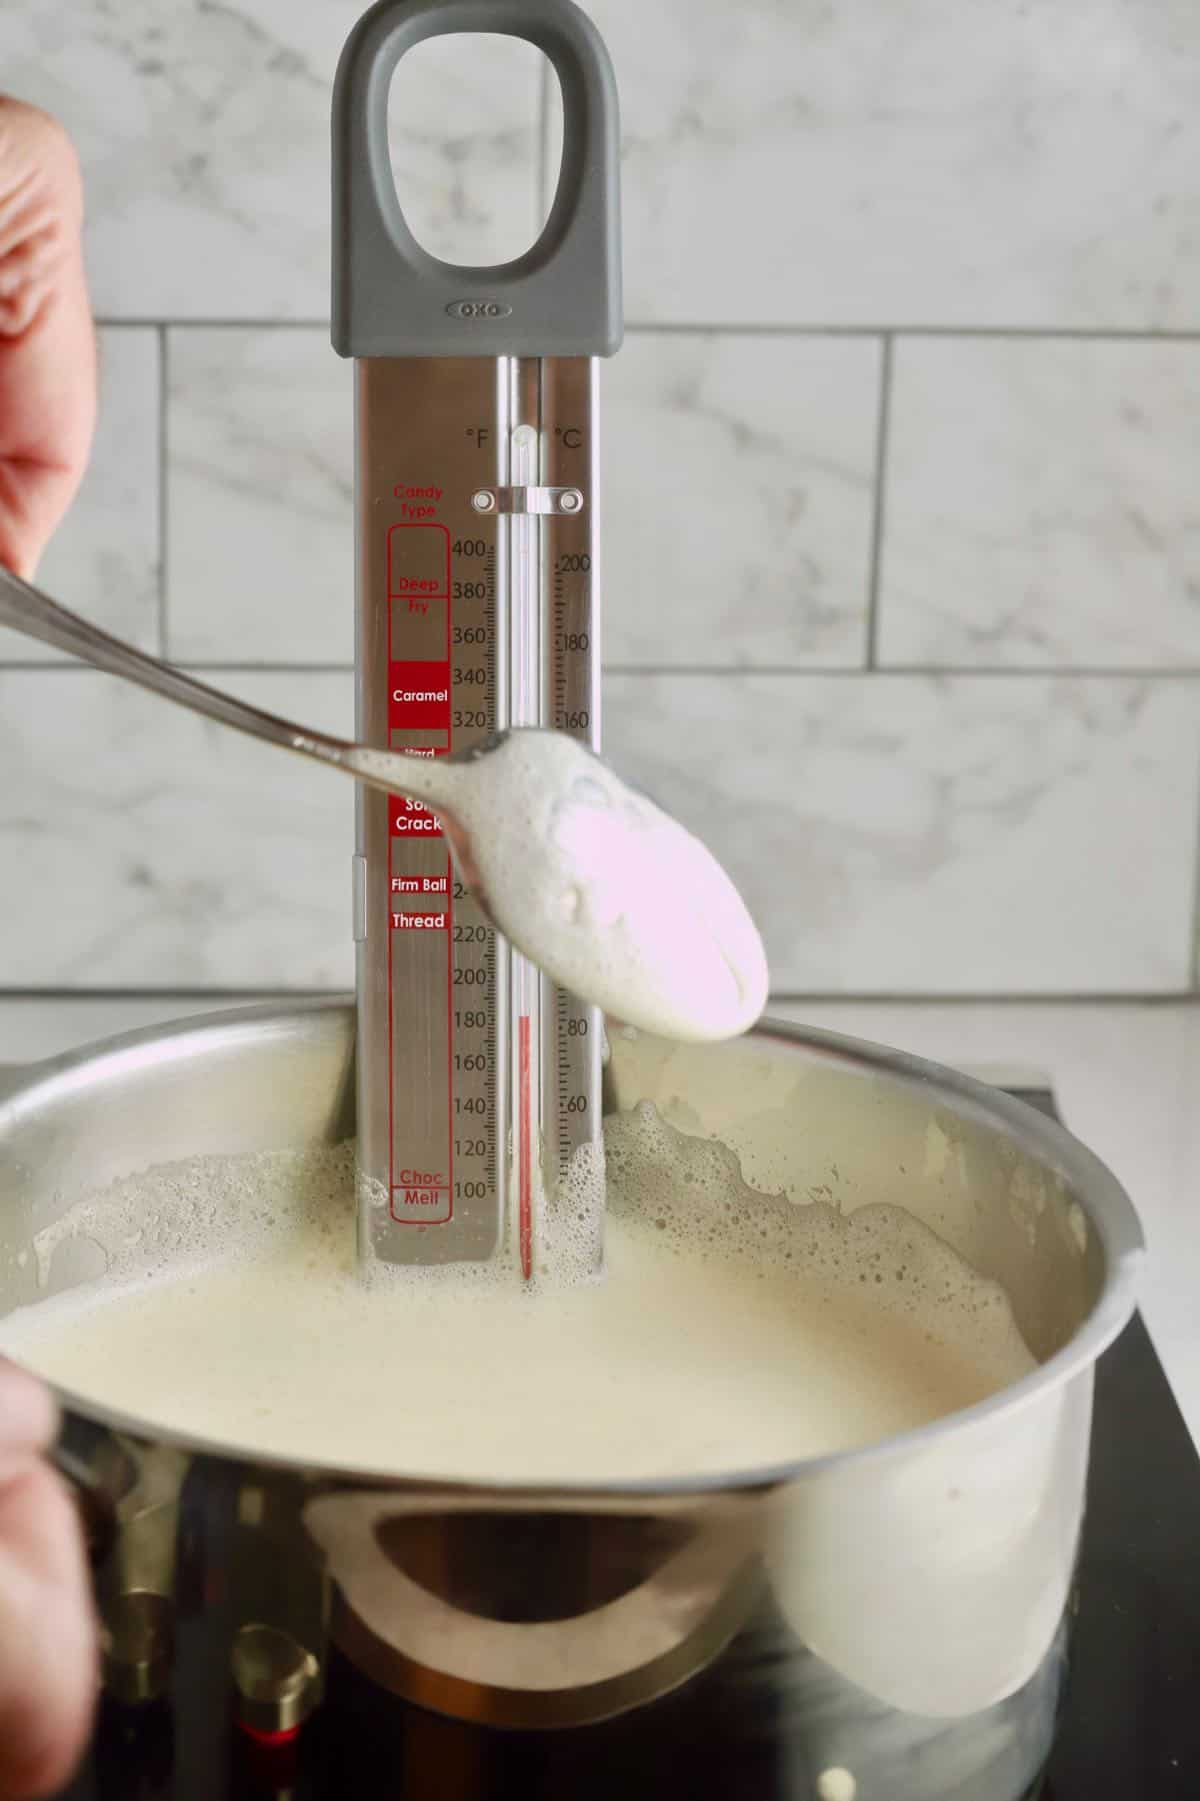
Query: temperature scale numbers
{"type": "Point", "coordinates": [569, 414]}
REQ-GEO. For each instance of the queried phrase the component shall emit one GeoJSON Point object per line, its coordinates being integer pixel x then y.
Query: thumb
{"type": "Point", "coordinates": [47, 342]}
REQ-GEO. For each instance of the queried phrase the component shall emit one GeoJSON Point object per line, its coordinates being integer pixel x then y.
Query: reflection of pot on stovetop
{"type": "Point", "coordinates": [898, 1612]}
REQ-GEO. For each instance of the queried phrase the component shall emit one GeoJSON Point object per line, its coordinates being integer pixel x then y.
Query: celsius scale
{"type": "Point", "coordinates": [476, 499]}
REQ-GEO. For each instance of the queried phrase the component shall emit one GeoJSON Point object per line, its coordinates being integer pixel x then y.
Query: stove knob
{"type": "Point", "coordinates": [137, 1646]}
{"type": "Point", "coordinates": [277, 1682]}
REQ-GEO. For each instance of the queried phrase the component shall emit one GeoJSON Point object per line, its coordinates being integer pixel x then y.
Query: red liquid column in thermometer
{"type": "Point", "coordinates": [525, 1160]}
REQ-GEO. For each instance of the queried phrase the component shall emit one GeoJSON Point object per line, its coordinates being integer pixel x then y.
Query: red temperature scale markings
{"type": "Point", "coordinates": [419, 706]}
{"type": "Point", "coordinates": [420, 703]}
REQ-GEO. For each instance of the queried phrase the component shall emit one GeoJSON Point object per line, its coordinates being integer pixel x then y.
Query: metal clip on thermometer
{"type": "Point", "coordinates": [476, 500]}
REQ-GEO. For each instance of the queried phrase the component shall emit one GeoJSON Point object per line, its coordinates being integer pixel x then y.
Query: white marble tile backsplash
{"type": "Point", "coordinates": [937, 835]}
{"type": "Point", "coordinates": [260, 491]}
{"type": "Point", "coordinates": [739, 499]}
{"type": "Point", "coordinates": [992, 218]}
{"type": "Point", "coordinates": [150, 849]}
{"type": "Point", "coordinates": [1043, 504]}
{"type": "Point", "coordinates": [915, 163]}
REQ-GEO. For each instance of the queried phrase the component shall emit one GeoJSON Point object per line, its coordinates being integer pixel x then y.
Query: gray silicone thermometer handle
{"type": "Point", "coordinates": [390, 297]}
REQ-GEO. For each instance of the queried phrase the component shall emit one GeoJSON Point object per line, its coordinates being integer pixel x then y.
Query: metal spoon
{"type": "Point", "coordinates": [30, 611]}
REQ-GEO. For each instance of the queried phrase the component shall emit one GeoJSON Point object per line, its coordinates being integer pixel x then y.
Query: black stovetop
{"type": "Point", "coordinates": [1130, 1728]}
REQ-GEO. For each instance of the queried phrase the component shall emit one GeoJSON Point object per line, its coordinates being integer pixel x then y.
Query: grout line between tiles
{"type": "Point", "coordinates": [74, 667]}
{"type": "Point", "coordinates": [730, 327]}
{"type": "Point", "coordinates": [880, 328]}
{"type": "Point", "coordinates": [1161, 999]}
{"type": "Point", "coordinates": [269, 668]}
{"type": "Point", "coordinates": [760, 672]}
{"type": "Point", "coordinates": [1194, 922]}
{"type": "Point", "coordinates": [882, 440]}
{"type": "Point", "coordinates": [1034, 998]}
{"type": "Point", "coordinates": [171, 994]}
{"type": "Point", "coordinates": [163, 404]}
{"type": "Point", "coordinates": [225, 322]}
{"type": "Point", "coordinates": [926, 671]}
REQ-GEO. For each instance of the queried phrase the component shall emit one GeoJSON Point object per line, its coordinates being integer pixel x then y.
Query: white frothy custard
{"type": "Point", "coordinates": [608, 894]}
{"type": "Point", "coordinates": [730, 1329]}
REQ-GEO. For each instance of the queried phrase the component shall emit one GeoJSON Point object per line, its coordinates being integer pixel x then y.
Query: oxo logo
{"type": "Point", "coordinates": [478, 309]}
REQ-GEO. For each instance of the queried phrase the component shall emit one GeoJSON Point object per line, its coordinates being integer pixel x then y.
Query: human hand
{"type": "Point", "coordinates": [47, 1624]}
{"type": "Point", "coordinates": [48, 1640]}
{"type": "Point", "coordinates": [47, 342]}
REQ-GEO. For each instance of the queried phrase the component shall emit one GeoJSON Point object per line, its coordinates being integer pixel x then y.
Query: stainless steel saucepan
{"type": "Point", "coordinates": [905, 1606]}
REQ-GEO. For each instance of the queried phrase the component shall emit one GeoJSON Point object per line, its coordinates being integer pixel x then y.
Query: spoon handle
{"type": "Point", "coordinates": [32, 612]}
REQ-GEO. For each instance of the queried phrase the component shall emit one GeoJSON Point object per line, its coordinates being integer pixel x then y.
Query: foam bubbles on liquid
{"type": "Point", "coordinates": [183, 1215]}
{"type": "Point", "coordinates": [690, 1194]}
{"type": "Point", "coordinates": [729, 1329]}
{"type": "Point", "coordinates": [568, 1233]}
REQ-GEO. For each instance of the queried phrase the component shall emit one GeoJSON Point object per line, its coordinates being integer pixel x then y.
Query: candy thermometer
{"type": "Point", "coordinates": [476, 500]}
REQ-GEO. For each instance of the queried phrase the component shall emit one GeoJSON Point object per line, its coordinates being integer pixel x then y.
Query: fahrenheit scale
{"type": "Point", "coordinates": [477, 564]}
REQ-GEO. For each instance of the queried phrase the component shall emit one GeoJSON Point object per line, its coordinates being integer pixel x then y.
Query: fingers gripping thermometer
{"type": "Point", "coordinates": [476, 502]}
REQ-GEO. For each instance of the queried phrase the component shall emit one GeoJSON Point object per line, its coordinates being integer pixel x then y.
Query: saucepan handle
{"type": "Point", "coordinates": [97, 1508]}
{"type": "Point", "coordinates": [535, 1612]}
